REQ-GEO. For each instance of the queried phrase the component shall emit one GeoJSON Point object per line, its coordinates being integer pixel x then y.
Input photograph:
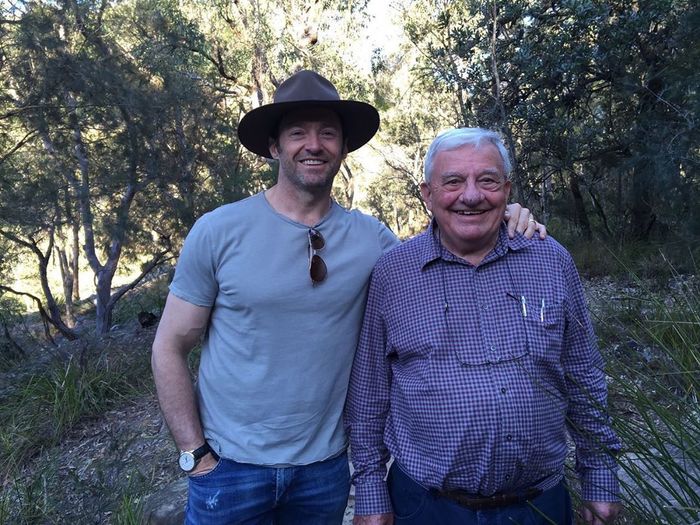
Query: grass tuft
{"type": "Point", "coordinates": [39, 411]}
{"type": "Point", "coordinates": [652, 337]}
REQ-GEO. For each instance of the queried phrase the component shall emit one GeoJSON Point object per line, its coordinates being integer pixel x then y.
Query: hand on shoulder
{"type": "Point", "coordinates": [521, 220]}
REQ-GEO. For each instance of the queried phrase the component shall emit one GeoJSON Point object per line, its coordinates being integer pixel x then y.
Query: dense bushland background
{"type": "Point", "coordinates": [117, 130]}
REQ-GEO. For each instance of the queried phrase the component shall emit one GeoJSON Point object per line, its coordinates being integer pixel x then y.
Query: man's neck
{"type": "Point", "coordinates": [302, 207]}
{"type": "Point", "coordinates": [473, 253]}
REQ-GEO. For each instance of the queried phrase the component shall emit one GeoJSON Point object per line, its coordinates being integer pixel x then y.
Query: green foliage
{"type": "Point", "coordinates": [111, 493]}
{"type": "Point", "coordinates": [11, 311]}
{"type": "Point", "coordinates": [149, 297]}
{"type": "Point", "coordinates": [596, 102]}
{"type": "Point", "coordinates": [652, 337]}
{"type": "Point", "coordinates": [130, 511]}
{"type": "Point", "coordinates": [654, 260]}
{"type": "Point", "coordinates": [118, 123]}
{"type": "Point", "coordinates": [38, 411]}
{"type": "Point", "coordinates": [30, 500]}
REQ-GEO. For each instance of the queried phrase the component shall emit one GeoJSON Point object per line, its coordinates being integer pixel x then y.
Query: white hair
{"type": "Point", "coordinates": [456, 138]}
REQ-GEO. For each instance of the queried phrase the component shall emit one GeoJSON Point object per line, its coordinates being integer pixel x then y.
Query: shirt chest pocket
{"type": "Point", "coordinates": [511, 332]}
{"type": "Point", "coordinates": [545, 332]}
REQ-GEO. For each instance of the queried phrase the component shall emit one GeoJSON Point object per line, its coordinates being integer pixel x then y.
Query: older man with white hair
{"type": "Point", "coordinates": [469, 370]}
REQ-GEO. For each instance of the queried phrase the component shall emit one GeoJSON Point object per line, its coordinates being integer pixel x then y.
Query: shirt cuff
{"type": "Point", "coordinates": [600, 485]}
{"type": "Point", "coordinates": [372, 498]}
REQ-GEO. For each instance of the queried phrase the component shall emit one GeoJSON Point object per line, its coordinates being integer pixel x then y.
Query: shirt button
{"type": "Point", "coordinates": [509, 437]}
{"type": "Point", "coordinates": [503, 390]}
{"type": "Point", "coordinates": [492, 348]}
{"type": "Point", "coordinates": [484, 307]}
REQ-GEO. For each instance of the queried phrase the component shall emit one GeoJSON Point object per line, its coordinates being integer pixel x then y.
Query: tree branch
{"type": "Point", "coordinates": [157, 260]}
{"type": "Point", "coordinates": [19, 144]}
{"type": "Point", "coordinates": [46, 319]}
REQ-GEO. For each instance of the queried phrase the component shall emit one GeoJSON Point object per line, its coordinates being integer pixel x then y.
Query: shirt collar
{"type": "Point", "coordinates": [432, 249]}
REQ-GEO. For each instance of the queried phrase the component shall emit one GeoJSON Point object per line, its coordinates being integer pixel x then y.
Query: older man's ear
{"type": "Point", "coordinates": [521, 220]}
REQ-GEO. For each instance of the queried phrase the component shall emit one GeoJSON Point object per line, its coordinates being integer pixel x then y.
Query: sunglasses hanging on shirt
{"type": "Point", "coordinates": [317, 266]}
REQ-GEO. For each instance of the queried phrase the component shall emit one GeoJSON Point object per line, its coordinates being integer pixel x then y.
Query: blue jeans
{"type": "Point", "coordinates": [239, 493]}
{"type": "Point", "coordinates": [415, 505]}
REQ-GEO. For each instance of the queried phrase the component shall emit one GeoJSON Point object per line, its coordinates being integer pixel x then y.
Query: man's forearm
{"type": "Point", "coordinates": [177, 399]}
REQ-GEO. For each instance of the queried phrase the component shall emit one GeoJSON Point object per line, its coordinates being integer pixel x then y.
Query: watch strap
{"type": "Point", "coordinates": [200, 452]}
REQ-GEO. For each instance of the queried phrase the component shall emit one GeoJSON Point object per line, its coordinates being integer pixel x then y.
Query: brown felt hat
{"type": "Point", "coordinates": [307, 89]}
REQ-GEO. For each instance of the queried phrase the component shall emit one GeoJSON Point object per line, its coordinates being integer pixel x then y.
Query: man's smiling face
{"type": "Point", "coordinates": [467, 195]}
{"type": "Point", "coordinates": [310, 148]}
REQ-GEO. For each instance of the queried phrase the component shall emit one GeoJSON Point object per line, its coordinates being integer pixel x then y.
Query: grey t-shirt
{"type": "Point", "coordinates": [277, 354]}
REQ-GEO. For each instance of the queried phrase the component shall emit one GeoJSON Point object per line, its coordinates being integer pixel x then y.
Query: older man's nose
{"type": "Point", "coordinates": [471, 194]}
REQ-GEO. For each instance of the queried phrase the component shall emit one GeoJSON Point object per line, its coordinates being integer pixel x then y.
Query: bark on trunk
{"type": "Point", "coordinates": [67, 281]}
{"type": "Point", "coordinates": [75, 261]}
{"type": "Point", "coordinates": [580, 214]}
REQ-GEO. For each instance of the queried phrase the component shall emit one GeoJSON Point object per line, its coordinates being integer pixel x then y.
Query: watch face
{"type": "Point", "coordinates": [186, 461]}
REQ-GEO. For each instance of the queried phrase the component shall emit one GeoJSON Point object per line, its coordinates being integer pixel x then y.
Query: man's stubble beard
{"type": "Point", "coordinates": [289, 170]}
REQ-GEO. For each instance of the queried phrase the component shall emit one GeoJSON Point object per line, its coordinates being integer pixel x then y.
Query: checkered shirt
{"type": "Point", "coordinates": [470, 376]}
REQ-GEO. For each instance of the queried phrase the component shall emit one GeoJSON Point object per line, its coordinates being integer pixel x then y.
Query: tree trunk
{"type": "Point", "coordinates": [13, 348]}
{"type": "Point", "coordinates": [54, 312]}
{"type": "Point", "coordinates": [516, 176]}
{"type": "Point", "coordinates": [643, 217]}
{"type": "Point", "coordinates": [74, 262]}
{"type": "Point", "coordinates": [601, 212]}
{"type": "Point", "coordinates": [103, 313]}
{"type": "Point", "coordinates": [544, 198]}
{"type": "Point", "coordinates": [67, 280]}
{"type": "Point", "coordinates": [348, 185]}
{"type": "Point", "coordinates": [580, 215]}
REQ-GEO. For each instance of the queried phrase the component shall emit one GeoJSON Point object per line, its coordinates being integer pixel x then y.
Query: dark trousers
{"type": "Point", "coordinates": [415, 505]}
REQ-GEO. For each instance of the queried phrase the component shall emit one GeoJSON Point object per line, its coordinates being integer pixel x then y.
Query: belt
{"type": "Point", "coordinates": [496, 501]}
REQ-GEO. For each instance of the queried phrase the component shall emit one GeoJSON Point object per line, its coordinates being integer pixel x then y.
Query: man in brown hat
{"type": "Point", "coordinates": [276, 283]}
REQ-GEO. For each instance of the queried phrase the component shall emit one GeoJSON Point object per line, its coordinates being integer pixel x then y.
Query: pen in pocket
{"type": "Point", "coordinates": [521, 300]}
{"type": "Point", "coordinates": [542, 311]}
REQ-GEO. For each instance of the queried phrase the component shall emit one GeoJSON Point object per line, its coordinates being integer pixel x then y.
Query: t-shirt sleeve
{"type": "Point", "coordinates": [387, 238]}
{"type": "Point", "coordinates": [195, 274]}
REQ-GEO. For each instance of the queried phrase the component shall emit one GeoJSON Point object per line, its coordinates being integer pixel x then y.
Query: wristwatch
{"type": "Point", "coordinates": [189, 458]}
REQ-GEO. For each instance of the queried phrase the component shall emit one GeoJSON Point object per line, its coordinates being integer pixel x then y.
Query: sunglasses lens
{"type": "Point", "coordinates": [316, 239]}
{"type": "Point", "coordinates": [318, 269]}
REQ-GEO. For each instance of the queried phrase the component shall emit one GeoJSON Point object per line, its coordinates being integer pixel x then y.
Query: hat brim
{"type": "Point", "coordinates": [360, 122]}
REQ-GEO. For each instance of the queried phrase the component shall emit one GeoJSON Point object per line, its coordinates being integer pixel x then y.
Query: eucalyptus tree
{"type": "Point", "coordinates": [124, 122]}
